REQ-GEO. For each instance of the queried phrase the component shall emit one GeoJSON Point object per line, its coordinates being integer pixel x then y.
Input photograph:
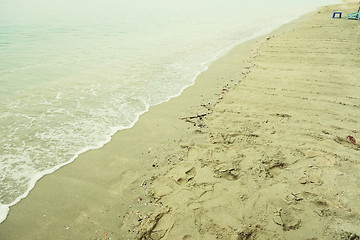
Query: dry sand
{"type": "Point", "coordinates": [270, 158]}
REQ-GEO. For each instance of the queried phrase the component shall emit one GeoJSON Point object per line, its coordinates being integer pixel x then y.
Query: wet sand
{"type": "Point", "coordinates": [256, 149]}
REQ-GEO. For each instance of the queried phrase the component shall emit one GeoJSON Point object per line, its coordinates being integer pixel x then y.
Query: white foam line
{"type": "Point", "coordinates": [4, 209]}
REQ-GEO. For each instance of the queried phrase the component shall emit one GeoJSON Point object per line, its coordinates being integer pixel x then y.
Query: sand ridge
{"type": "Point", "coordinates": [271, 158]}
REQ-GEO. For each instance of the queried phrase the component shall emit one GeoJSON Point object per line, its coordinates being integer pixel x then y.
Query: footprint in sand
{"type": "Point", "coordinates": [228, 173]}
{"type": "Point", "coordinates": [287, 219]}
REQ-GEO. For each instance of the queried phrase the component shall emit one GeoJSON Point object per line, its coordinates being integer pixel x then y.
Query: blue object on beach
{"type": "Point", "coordinates": [337, 13]}
{"type": "Point", "coordinates": [354, 16]}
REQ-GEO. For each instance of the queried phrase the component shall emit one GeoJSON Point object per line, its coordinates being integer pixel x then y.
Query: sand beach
{"type": "Point", "coordinates": [264, 145]}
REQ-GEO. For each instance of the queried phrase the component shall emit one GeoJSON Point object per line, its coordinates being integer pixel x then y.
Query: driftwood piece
{"type": "Point", "coordinates": [200, 116]}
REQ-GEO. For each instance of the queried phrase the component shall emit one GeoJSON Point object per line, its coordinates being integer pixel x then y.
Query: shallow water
{"type": "Point", "coordinates": [73, 74]}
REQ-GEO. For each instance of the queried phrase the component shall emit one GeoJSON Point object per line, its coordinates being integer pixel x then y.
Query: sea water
{"type": "Point", "coordinates": [73, 73]}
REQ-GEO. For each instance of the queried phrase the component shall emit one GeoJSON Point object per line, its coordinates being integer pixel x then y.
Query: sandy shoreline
{"type": "Point", "coordinates": [268, 160]}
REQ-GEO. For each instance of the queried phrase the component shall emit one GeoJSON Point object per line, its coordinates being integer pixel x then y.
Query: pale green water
{"type": "Point", "coordinates": [72, 73]}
